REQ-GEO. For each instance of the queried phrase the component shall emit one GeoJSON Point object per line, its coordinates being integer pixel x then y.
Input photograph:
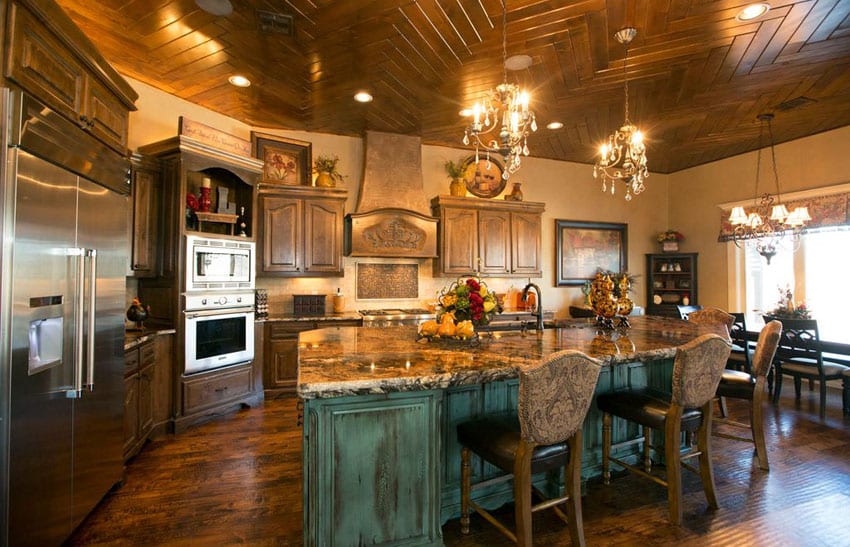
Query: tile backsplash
{"type": "Point", "coordinates": [387, 281]}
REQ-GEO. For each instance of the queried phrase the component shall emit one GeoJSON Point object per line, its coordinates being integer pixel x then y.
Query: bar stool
{"type": "Point", "coordinates": [751, 387]}
{"type": "Point", "coordinates": [545, 434]}
{"type": "Point", "coordinates": [713, 316]}
{"type": "Point", "coordinates": [696, 374]}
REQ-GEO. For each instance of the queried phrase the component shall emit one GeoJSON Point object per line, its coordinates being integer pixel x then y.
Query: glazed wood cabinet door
{"type": "Point", "coordinates": [322, 235]}
{"type": "Point", "coordinates": [282, 238]}
{"type": "Point", "coordinates": [145, 192]}
{"type": "Point", "coordinates": [525, 243]}
{"type": "Point", "coordinates": [106, 117]}
{"type": "Point", "coordinates": [494, 249]}
{"type": "Point", "coordinates": [459, 241]}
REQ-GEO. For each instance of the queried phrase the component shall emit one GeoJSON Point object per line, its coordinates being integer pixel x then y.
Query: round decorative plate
{"type": "Point", "coordinates": [484, 177]}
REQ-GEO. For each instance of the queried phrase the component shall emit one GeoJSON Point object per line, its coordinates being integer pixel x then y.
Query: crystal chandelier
{"type": "Point", "coordinates": [623, 157]}
{"type": "Point", "coordinates": [770, 220]}
{"type": "Point", "coordinates": [504, 110]}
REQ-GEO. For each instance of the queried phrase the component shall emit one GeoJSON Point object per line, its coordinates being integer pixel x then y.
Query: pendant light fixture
{"type": "Point", "coordinates": [623, 157]}
{"type": "Point", "coordinates": [502, 121]}
{"type": "Point", "coordinates": [769, 221]}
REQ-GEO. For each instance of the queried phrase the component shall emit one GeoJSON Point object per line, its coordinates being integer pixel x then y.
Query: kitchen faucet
{"type": "Point", "coordinates": [538, 313]}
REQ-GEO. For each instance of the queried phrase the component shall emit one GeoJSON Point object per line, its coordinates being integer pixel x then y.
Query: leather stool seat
{"type": "Point", "coordinates": [646, 407]}
{"type": "Point", "coordinates": [496, 438]}
{"type": "Point", "coordinates": [736, 384]}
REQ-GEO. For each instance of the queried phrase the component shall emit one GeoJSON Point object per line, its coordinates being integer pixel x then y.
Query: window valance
{"type": "Point", "coordinates": [826, 211]}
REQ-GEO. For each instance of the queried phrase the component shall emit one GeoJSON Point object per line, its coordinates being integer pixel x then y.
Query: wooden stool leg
{"type": "Point", "coordinates": [798, 382]}
{"type": "Point", "coordinates": [724, 411]}
{"type": "Point", "coordinates": [647, 449]}
{"type": "Point", "coordinates": [672, 454]}
{"type": "Point", "coordinates": [606, 448]}
{"type": "Point", "coordinates": [465, 485]}
{"type": "Point", "coordinates": [572, 487]}
{"type": "Point", "coordinates": [757, 426]}
{"type": "Point", "coordinates": [522, 493]}
{"type": "Point", "coordinates": [706, 471]}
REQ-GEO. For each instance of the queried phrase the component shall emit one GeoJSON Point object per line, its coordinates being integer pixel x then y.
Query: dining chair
{"type": "Point", "coordinates": [684, 311]}
{"type": "Point", "coordinates": [740, 358]}
{"type": "Point", "coordinates": [751, 387]}
{"type": "Point", "coordinates": [544, 434]}
{"type": "Point", "coordinates": [697, 368]}
{"type": "Point", "coordinates": [845, 391]}
{"type": "Point", "coordinates": [799, 356]}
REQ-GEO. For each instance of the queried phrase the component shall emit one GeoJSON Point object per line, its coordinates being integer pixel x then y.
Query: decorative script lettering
{"type": "Point", "coordinates": [394, 234]}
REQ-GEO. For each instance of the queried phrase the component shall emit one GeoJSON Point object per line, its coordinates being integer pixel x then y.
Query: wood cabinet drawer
{"type": "Point", "coordinates": [131, 361]}
{"type": "Point", "coordinates": [209, 390]}
{"type": "Point", "coordinates": [39, 63]}
{"type": "Point", "coordinates": [147, 354]}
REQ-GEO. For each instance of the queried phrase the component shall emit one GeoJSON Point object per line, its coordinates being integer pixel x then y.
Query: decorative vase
{"type": "Point", "coordinates": [670, 246]}
{"type": "Point", "coordinates": [457, 188]}
{"type": "Point", "coordinates": [516, 192]}
{"type": "Point", "coordinates": [324, 180]}
{"type": "Point", "coordinates": [204, 202]}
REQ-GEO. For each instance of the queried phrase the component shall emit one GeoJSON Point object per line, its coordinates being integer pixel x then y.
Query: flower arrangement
{"type": "Point", "coordinates": [787, 309]}
{"type": "Point", "coordinates": [327, 165]}
{"type": "Point", "coordinates": [669, 235]}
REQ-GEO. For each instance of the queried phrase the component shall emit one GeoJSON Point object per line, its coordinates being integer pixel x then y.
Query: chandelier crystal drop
{"type": "Point", "coordinates": [769, 221]}
{"type": "Point", "coordinates": [623, 157]}
{"type": "Point", "coordinates": [502, 121]}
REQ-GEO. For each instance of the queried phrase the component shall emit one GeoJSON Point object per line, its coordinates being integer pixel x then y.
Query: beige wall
{"type": "Point", "coordinates": [695, 193]}
{"type": "Point", "coordinates": [568, 190]}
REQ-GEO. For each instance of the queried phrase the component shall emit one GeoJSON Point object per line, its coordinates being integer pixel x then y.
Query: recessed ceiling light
{"type": "Point", "coordinates": [554, 125]}
{"type": "Point", "coordinates": [363, 97]}
{"type": "Point", "coordinates": [239, 81]}
{"type": "Point", "coordinates": [220, 8]}
{"type": "Point", "coordinates": [752, 11]}
{"type": "Point", "coordinates": [518, 62]}
{"type": "Point", "coordinates": [466, 112]}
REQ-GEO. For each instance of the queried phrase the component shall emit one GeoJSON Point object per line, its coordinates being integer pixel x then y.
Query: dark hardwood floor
{"type": "Point", "coordinates": [237, 480]}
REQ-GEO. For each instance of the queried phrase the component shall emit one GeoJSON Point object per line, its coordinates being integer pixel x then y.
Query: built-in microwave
{"type": "Point", "coordinates": [214, 264]}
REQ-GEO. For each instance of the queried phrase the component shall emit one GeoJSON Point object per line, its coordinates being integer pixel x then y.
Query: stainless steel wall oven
{"type": "Point", "coordinates": [219, 330]}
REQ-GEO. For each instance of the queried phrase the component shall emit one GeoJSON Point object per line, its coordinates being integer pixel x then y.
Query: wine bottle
{"type": "Point", "coordinates": [242, 223]}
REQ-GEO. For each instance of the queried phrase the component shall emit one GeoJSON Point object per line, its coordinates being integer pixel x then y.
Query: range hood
{"type": "Point", "coordinates": [392, 217]}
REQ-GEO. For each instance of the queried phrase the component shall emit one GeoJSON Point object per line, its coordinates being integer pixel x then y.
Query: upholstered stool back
{"type": "Point", "coordinates": [697, 370]}
{"type": "Point", "coordinates": [712, 316]}
{"type": "Point", "coordinates": [554, 396]}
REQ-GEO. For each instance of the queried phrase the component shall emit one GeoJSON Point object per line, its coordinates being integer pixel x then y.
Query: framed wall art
{"type": "Point", "coordinates": [584, 247]}
{"type": "Point", "coordinates": [287, 161]}
{"type": "Point", "coordinates": [483, 178]}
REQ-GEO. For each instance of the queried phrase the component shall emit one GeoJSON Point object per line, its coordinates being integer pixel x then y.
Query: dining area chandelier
{"type": "Point", "coordinates": [622, 158]}
{"type": "Point", "coordinates": [769, 220]}
{"type": "Point", "coordinates": [502, 120]}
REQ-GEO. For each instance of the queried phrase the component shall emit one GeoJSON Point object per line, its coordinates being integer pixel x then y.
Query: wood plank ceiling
{"type": "Point", "coordinates": [698, 77]}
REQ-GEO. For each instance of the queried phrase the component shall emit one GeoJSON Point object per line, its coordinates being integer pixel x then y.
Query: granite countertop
{"type": "Point", "coordinates": [135, 338]}
{"type": "Point", "coordinates": [355, 361]}
{"type": "Point", "coordinates": [344, 316]}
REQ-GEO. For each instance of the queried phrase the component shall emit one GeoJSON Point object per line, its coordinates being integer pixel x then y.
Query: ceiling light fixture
{"type": "Point", "coordinates": [623, 157]}
{"type": "Point", "coordinates": [752, 11]}
{"type": "Point", "coordinates": [505, 114]}
{"type": "Point", "coordinates": [770, 220]}
{"type": "Point", "coordinates": [363, 97]}
{"type": "Point", "coordinates": [554, 125]}
{"type": "Point", "coordinates": [239, 81]}
{"type": "Point", "coordinates": [219, 8]}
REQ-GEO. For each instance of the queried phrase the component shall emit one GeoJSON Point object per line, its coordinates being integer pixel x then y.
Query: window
{"type": "Point", "coordinates": [818, 273]}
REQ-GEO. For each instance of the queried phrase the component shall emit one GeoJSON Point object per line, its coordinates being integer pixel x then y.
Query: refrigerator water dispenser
{"type": "Point", "coordinates": [45, 341]}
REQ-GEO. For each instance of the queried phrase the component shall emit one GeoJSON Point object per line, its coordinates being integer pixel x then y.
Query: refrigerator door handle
{"type": "Point", "coordinates": [92, 255]}
{"type": "Point", "coordinates": [76, 390]}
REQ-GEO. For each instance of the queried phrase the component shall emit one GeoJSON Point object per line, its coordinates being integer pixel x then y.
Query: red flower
{"type": "Point", "coordinates": [473, 285]}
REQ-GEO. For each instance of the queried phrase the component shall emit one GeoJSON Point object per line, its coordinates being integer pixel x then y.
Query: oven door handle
{"type": "Point", "coordinates": [190, 314]}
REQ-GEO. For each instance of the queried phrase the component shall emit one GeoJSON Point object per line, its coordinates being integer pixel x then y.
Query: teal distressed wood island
{"type": "Point", "coordinates": [381, 459]}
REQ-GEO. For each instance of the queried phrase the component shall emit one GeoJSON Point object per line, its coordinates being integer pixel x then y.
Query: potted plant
{"type": "Point", "coordinates": [670, 240]}
{"type": "Point", "coordinates": [328, 175]}
{"type": "Point", "coordinates": [455, 172]}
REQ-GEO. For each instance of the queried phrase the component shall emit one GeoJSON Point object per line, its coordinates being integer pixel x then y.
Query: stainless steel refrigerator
{"type": "Point", "coordinates": [64, 261]}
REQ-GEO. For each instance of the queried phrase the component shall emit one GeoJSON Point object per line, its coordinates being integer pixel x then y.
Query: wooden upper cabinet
{"type": "Point", "coordinates": [281, 229]}
{"type": "Point", "coordinates": [301, 231]}
{"type": "Point", "coordinates": [146, 190]}
{"type": "Point", "coordinates": [323, 220]}
{"type": "Point", "coordinates": [66, 76]}
{"type": "Point", "coordinates": [501, 238]}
